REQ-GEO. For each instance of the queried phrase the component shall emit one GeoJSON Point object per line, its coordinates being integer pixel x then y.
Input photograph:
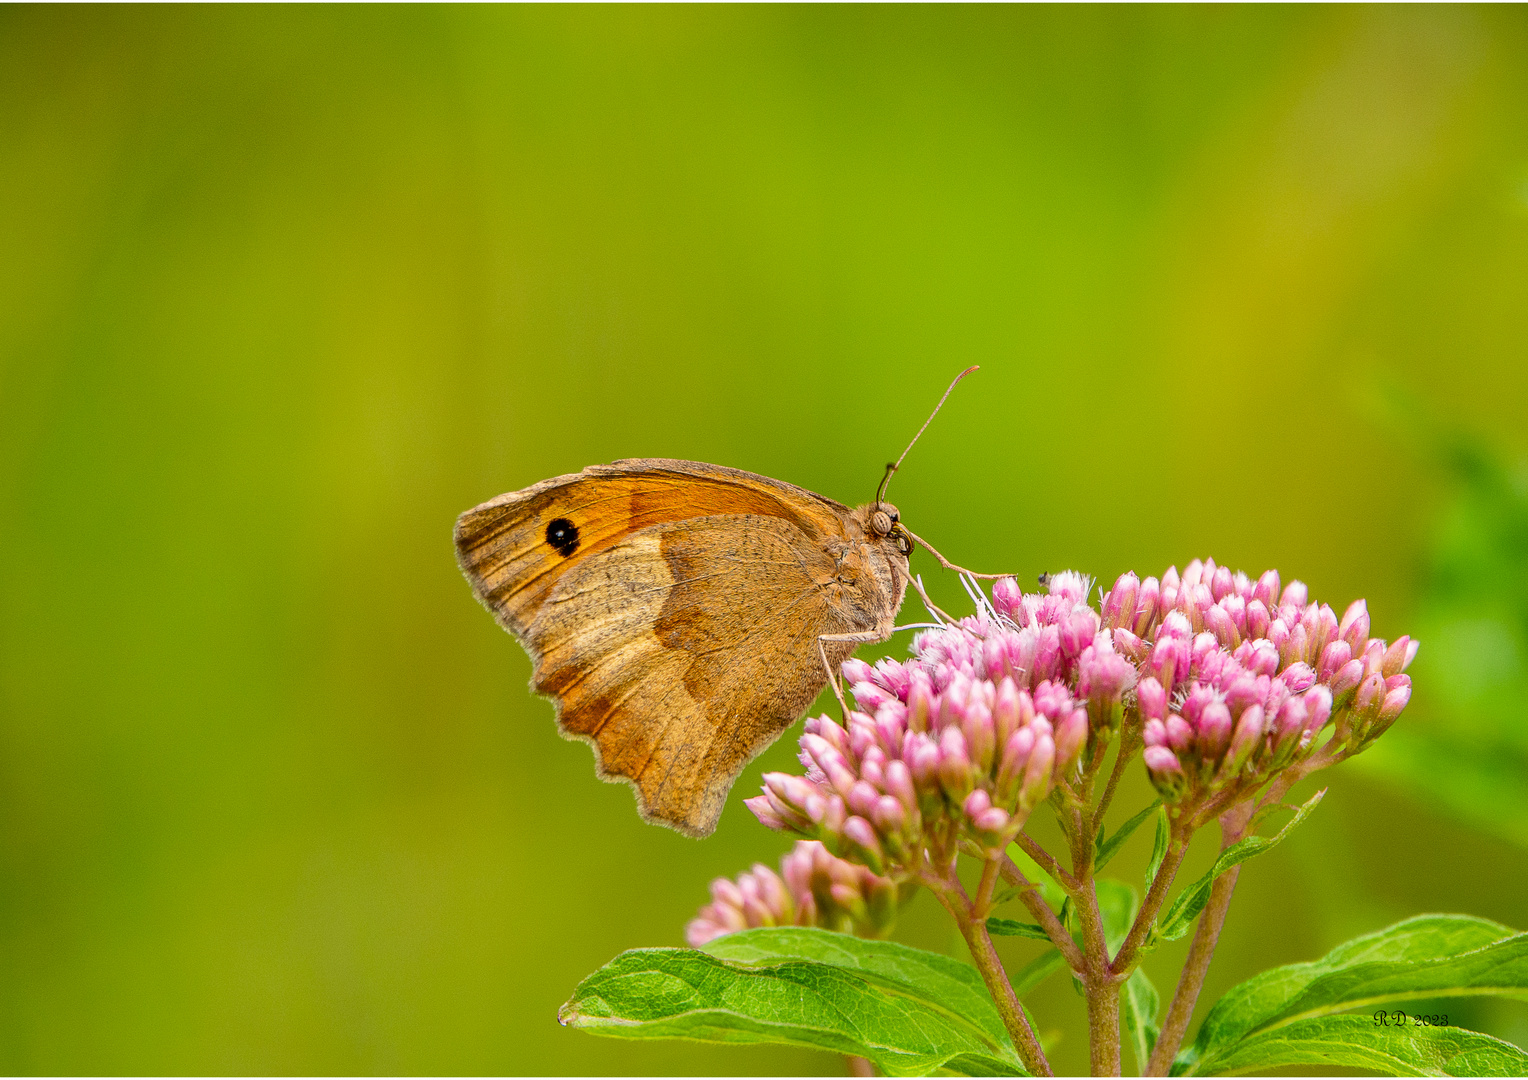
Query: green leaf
{"type": "Point", "coordinates": [1158, 847]}
{"type": "Point", "coordinates": [1356, 1042]}
{"type": "Point", "coordinates": [1182, 912]}
{"type": "Point", "coordinates": [1110, 848]}
{"type": "Point", "coordinates": [1117, 905]}
{"type": "Point", "coordinates": [1010, 928]}
{"type": "Point", "coordinates": [1429, 956]}
{"type": "Point", "coordinates": [906, 1010]}
{"type": "Point", "coordinates": [1139, 1006]}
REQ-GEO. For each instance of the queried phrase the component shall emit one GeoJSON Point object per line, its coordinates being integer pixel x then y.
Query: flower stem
{"type": "Point", "coordinates": [1103, 1027]}
{"type": "Point", "coordinates": [1175, 1026]}
{"type": "Point", "coordinates": [1125, 960]}
{"type": "Point", "coordinates": [1029, 896]}
{"type": "Point", "coordinates": [991, 968]}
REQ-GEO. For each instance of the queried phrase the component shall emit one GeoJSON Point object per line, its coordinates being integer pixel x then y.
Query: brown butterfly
{"type": "Point", "coordinates": [683, 615]}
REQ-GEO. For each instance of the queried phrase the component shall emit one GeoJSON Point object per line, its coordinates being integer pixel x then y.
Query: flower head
{"type": "Point", "coordinates": [812, 889]}
{"type": "Point", "coordinates": [1239, 677]}
{"type": "Point", "coordinates": [960, 743]}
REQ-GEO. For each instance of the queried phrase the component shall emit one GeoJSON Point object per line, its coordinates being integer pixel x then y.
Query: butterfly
{"type": "Point", "coordinates": [682, 615]}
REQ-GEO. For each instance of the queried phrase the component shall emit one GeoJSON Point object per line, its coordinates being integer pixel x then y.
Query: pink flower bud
{"type": "Point", "coordinates": [1267, 590]}
{"type": "Point", "coordinates": [1005, 712]}
{"type": "Point", "coordinates": [1015, 757]}
{"type": "Point", "coordinates": [1037, 774]}
{"type": "Point", "coordinates": [1176, 625]}
{"type": "Point", "coordinates": [1023, 649]}
{"type": "Point", "coordinates": [1318, 705]}
{"type": "Point", "coordinates": [1371, 695]}
{"type": "Point", "coordinates": [1151, 699]}
{"type": "Point", "coordinates": [976, 802]}
{"type": "Point", "coordinates": [1244, 742]}
{"type": "Point", "coordinates": [898, 783]}
{"type": "Point", "coordinates": [1346, 679]}
{"type": "Point", "coordinates": [889, 815]}
{"type": "Point", "coordinates": [1006, 595]}
{"type": "Point", "coordinates": [1071, 734]}
{"type": "Point", "coordinates": [1180, 733]}
{"type": "Point", "coordinates": [1127, 644]}
{"type": "Point", "coordinates": [1299, 677]}
{"type": "Point", "coordinates": [1219, 623]}
{"type": "Point", "coordinates": [1154, 733]}
{"type": "Point", "coordinates": [1199, 695]}
{"type": "Point", "coordinates": [1295, 593]}
{"type": "Point", "coordinates": [1047, 656]}
{"type": "Point", "coordinates": [869, 696]}
{"type": "Point", "coordinates": [1165, 771]}
{"type": "Point", "coordinates": [991, 822]}
{"type": "Point", "coordinates": [855, 671]}
{"type": "Point", "coordinates": [920, 703]}
{"type": "Point", "coordinates": [1104, 676]}
{"type": "Point", "coordinates": [1214, 731]}
{"type": "Point", "coordinates": [1264, 659]}
{"type": "Point", "coordinates": [1077, 631]}
{"type": "Point", "coordinates": [1119, 606]}
{"type": "Point", "coordinates": [1290, 719]}
{"type": "Point", "coordinates": [1397, 694]}
{"type": "Point", "coordinates": [1258, 620]}
{"type": "Point", "coordinates": [862, 835]}
{"type": "Point", "coordinates": [1148, 604]}
{"type": "Point", "coordinates": [1169, 662]}
{"type": "Point", "coordinates": [1397, 656]}
{"type": "Point", "coordinates": [1222, 584]}
{"type": "Point", "coordinates": [1242, 692]}
{"type": "Point", "coordinates": [1333, 657]}
{"type": "Point", "coordinates": [862, 797]}
{"type": "Point", "coordinates": [762, 810]}
{"type": "Point", "coordinates": [1354, 628]}
{"type": "Point", "coordinates": [981, 739]}
{"type": "Point", "coordinates": [1323, 630]}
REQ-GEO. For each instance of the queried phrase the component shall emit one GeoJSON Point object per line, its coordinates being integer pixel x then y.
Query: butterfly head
{"type": "Point", "coordinates": [886, 524]}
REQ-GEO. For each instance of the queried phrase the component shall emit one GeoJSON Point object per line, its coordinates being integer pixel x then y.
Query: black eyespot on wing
{"type": "Point", "coordinates": [562, 534]}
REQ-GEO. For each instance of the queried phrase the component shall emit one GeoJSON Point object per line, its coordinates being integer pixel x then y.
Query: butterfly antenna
{"type": "Point", "coordinates": [880, 492]}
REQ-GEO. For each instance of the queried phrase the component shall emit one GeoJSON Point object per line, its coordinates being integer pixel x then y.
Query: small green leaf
{"type": "Point", "coordinates": [1110, 848]}
{"type": "Point", "coordinates": [1117, 905]}
{"type": "Point", "coordinates": [1139, 1005]}
{"type": "Point", "coordinates": [1356, 1042]}
{"type": "Point", "coordinates": [1158, 847]}
{"type": "Point", "coordinates": [908, 1011]}
{"type": "Point", "coordinates": [1010, 928]}
{"type": "Point", "coordinates": [1182, 912]}
{"type": "Point", "coordinates": [1429, 956]}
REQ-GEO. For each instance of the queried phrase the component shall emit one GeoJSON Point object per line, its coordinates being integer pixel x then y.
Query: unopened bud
{"type": "Point", "coordinates": [1354, 628]}
{"type": "Point", "coordinates": [1151, 699]}
{"type": "Point", "coordinates": [1165, 771]}
{"type": "Point", "coordinates": [1006, 595]}
{"type": "Point", "coordinates": [1119, 607]}
{"type": "Point", "coordinates": [1397, 656]}
{"type": "Point", "coordinates": [1295, 593]}
{"type": "Point", "coordinates": [1037, 774]}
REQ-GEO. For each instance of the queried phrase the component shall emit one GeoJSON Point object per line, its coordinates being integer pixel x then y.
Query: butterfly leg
{"type": "Point", "coordinates": [822, 651]}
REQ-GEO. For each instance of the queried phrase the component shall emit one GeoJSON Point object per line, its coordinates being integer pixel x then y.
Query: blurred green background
{"type": "Point", "coordinates": [282, 291]}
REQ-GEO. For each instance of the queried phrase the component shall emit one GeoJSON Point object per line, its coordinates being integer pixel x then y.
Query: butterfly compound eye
{"type": "Point", "coordinates": [880, 523]}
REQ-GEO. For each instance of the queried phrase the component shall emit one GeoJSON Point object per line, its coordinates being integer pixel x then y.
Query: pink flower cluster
{"type": "Point", "coordinates": [960, 743]}
{"type": "Point", "coordinates": [1239, 677]}
{"type": "Point", "coordinates": [813, 888]}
